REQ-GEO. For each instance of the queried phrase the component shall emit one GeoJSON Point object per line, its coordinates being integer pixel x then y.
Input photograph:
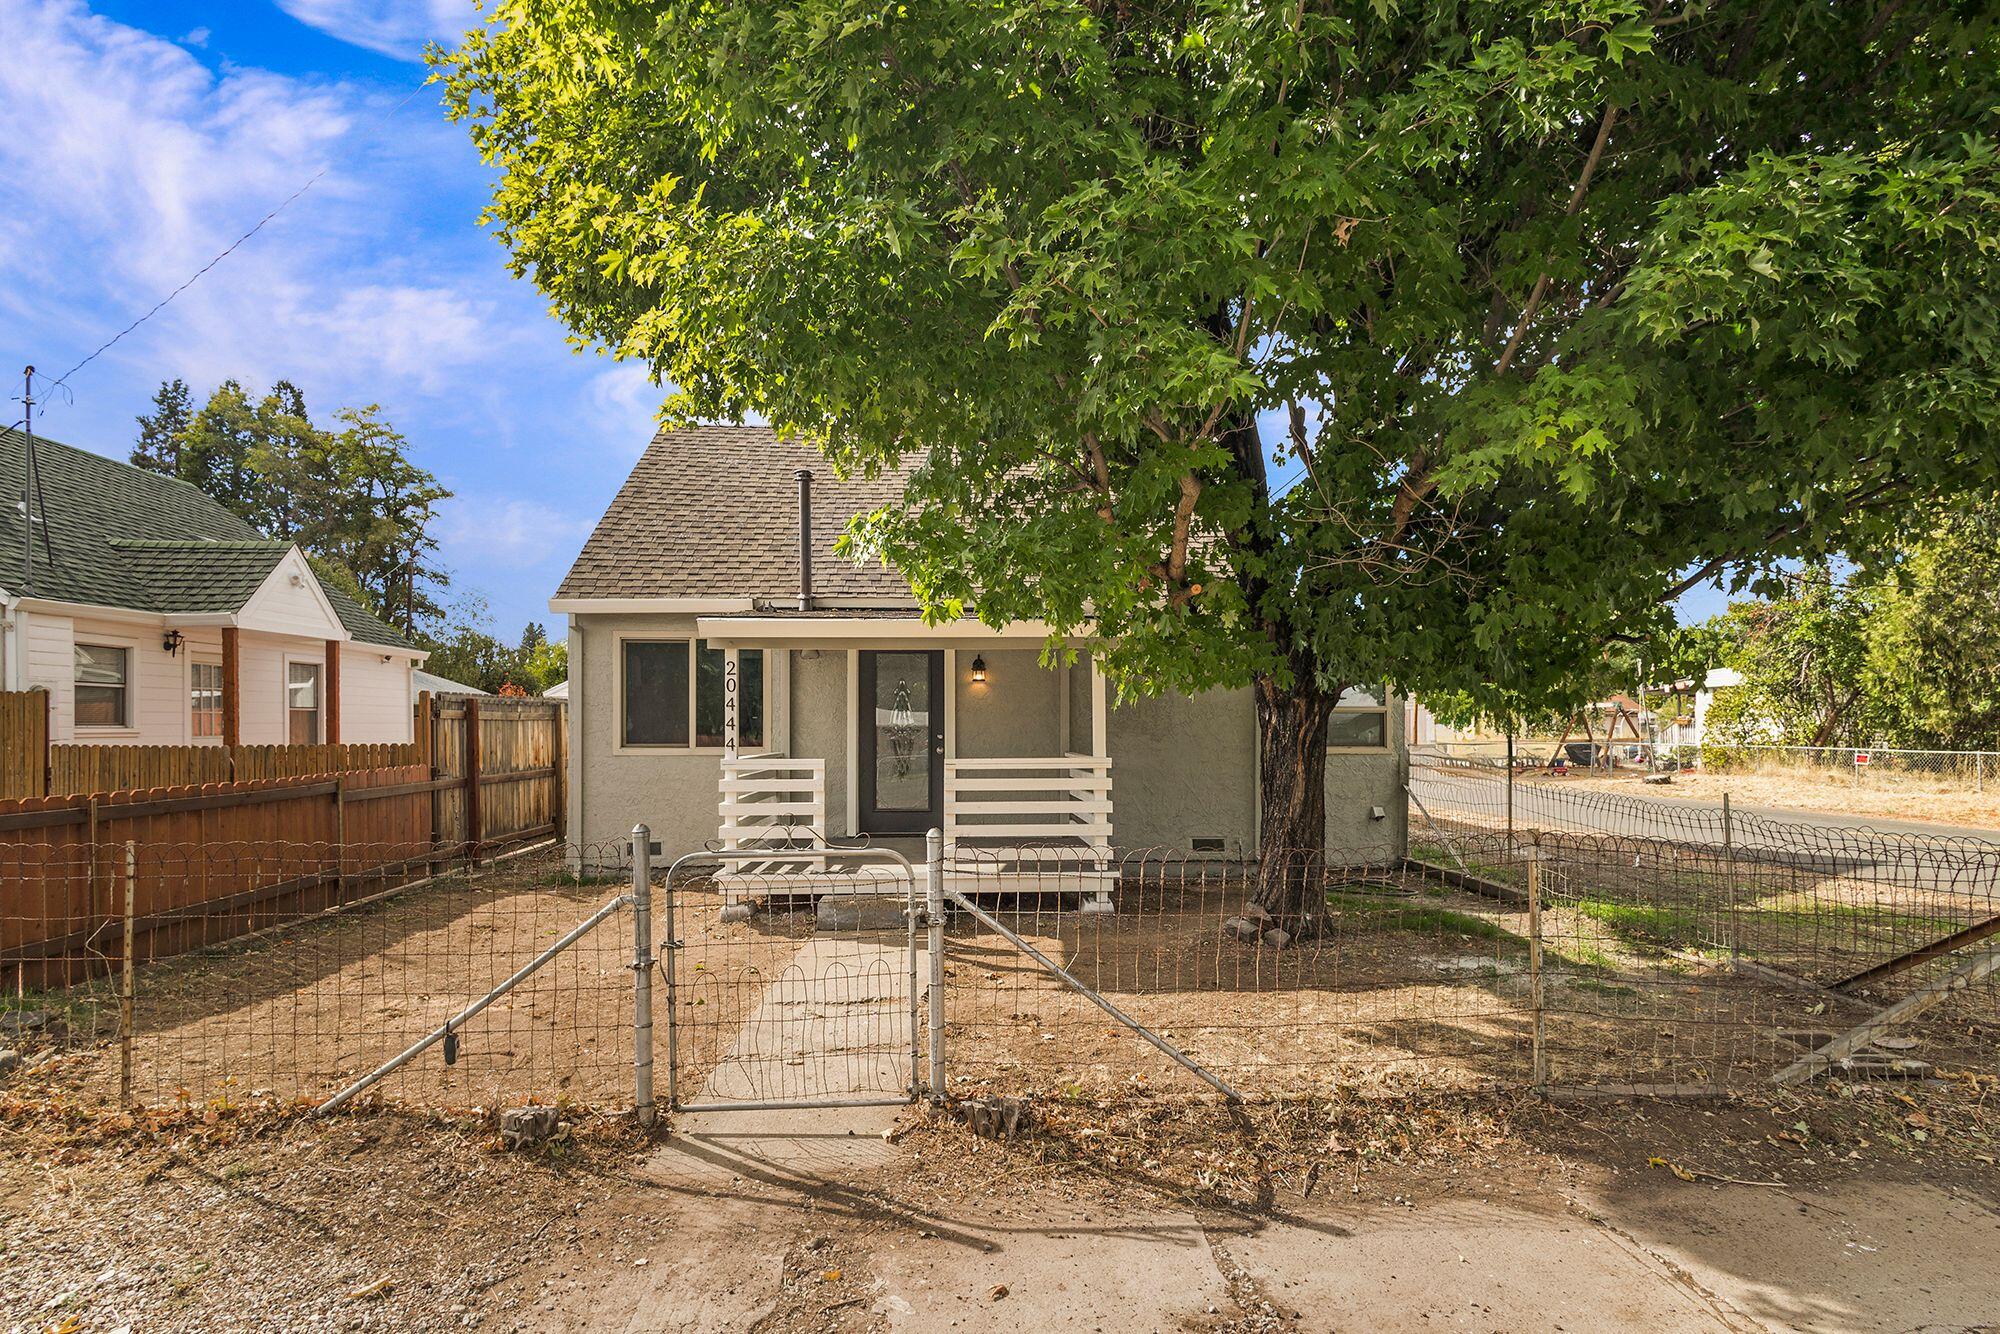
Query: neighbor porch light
{"type": "Point", "coordinates": [978, 669]}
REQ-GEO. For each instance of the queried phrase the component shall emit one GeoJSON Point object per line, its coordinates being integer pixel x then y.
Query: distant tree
{"type": "Point", "coordinates": [464, 649]}
{"type": "Point", "coordinates": [375, 511]}
{"type": "Point", "coordinates": [1804, 660]}
{"type": "Point", "coordinates": [350, 497]}
{"type": "Point", "coordinates": [1933, 661]}
{"type": "Point", "coordinates": [158, 448]}
{"type": "Point", "coordinates": [285, 453]}
{"type": "Point", "coordinates": [541, 662]}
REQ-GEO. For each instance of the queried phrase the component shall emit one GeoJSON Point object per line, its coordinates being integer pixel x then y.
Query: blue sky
{"type": "Point", "coordinates": [138, 138]}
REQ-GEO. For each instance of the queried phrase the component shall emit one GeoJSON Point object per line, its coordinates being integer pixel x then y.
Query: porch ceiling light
{"type": "Point", "coordinates": [978, 670]}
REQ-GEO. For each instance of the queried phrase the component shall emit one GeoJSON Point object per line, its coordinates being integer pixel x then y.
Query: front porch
{"type": "Point", "coordinates": [931, 736]}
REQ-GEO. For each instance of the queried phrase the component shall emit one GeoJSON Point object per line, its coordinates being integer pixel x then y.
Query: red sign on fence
{"type": "Point", "coordinates": [1861, 759]}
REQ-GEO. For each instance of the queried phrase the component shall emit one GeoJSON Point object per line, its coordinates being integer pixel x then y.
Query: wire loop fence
{"type": "Point", "coordinates": [1672, 952]}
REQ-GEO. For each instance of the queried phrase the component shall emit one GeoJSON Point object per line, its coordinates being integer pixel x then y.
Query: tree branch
{"type": "Point", "coordinates": [1575, 202]}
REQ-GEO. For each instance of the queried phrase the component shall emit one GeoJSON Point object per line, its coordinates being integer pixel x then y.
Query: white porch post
{"type": "Point", "coordinates": [1065, 743]}
{"type": "Point", "coordinates": [1100, 727]}
{"type": "Point", "coordinates": [853, 741]}
{"type": "Point", "coordinates": [951, 704]}
{"type": "Point", "coordinates": [731, 693]}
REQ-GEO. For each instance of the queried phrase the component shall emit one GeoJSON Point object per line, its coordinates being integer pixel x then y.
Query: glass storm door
{"type": "Point", "coordinates": [902, 742]}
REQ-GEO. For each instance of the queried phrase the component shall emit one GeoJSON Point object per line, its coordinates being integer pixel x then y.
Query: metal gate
{"type": "Point", "coordinates": [835, 995]}
{"type": "Point", "coordinates": [814, 1003]}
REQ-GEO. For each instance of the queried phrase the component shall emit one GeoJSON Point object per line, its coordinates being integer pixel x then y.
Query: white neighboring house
{"type": "Point", "coordinates": [154, 616]}
{"type": "Point", "coordinates": [443, 685]}
{"type": "Point", "coordinates": [560, 690]}
{"type": "Point", "coordinates": [1718, 678]}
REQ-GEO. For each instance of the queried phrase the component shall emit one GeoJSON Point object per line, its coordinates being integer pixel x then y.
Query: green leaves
{"type": "Point", "coordinates": [1102, 265]}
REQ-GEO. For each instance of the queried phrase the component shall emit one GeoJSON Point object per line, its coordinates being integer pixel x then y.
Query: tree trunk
{"type": "Point", "coordinates": [1291, 743]}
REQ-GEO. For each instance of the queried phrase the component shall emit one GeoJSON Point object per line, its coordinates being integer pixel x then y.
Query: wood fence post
{"type": "Point", "coordinates": [559, 748]}
{"type": "Point", "coordinates": [474, 744]}
{"type": "Point", "coordinates": [423, 731]}
{"type": "Point", "coordinates": [94, 910]}
{"type": "Point", "coordinates": [128, 992]}
{"type": "Point", "coordinates": [48, 763]}
{"type": "Point", "coordinates": [340, 838]}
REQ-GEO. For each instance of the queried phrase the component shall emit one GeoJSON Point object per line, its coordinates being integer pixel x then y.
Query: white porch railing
{"type": "Point", "coordinates": [1053, 807]}
{"type": "Point", "coordinates": [777, 804]}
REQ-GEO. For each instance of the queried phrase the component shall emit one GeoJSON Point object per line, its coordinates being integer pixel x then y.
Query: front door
{"type": "Point", "coordinates": [902, 742]}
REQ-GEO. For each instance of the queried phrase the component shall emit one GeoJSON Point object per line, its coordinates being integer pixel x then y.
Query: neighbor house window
{"type": "Point", "coordinates": [1360, 719]}
{"type": "Point", "coordinates": [673, 695]}
{"type": "Point", "coordinates": [101, 686]}
{"type": "Point", "coordinates": [205, 698]}
{"type": "Point", "coordinates": [302, 703]}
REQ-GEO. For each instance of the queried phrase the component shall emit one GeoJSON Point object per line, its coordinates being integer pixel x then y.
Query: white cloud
{"type": "Point", "coordinates": [145, 165]}
{"type": "Point", "coordinates": [627, 404]}
{"type": "Point", "coordinates": [484, 533]}
{"type": "Point", "coordinates": [196, 37]}
{"type": "Point", "coordinates": [396, 28]}
{"type": "Point", "coordinates": [133, 164]}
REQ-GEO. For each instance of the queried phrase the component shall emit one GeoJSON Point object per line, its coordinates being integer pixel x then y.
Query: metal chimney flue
{"type": "Point", "coordinates": [805, 539]}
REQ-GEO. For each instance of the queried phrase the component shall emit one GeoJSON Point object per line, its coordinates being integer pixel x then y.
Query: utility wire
{"type": "Point", "coordinates": [229, 250]}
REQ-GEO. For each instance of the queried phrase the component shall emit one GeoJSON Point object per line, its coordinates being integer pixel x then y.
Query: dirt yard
{"type": "Point", "coordinates": [1883, 796]}
{"type": "Point", "coordinates": [1862, 1207]}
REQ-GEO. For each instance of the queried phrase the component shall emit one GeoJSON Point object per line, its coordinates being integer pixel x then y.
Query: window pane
{"type": "Point", "coordinates": [99, 665]}
{"type": "Point", "coordinates": [100, 706]}
{"type": "Point", "coordinates": [305, 727]}
{"type": "Point", "coordinates": [302, 685]}
{"type": "Point", "coordinates": [750, 726]}
{"type": "Point", "coordinates": [656, 693]}
{"type": "Point", "coordinates": [708, 715]}
{"type": "Point", "coordinates": [1358, 729]}
{"type": "Point", "coordinates": [205, 698]}
{"type": "Point", "coordinates": [902, 732]}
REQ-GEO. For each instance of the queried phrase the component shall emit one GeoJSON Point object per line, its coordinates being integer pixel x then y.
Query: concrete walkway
{"type": "Point", "coordinates": [835, 1026]}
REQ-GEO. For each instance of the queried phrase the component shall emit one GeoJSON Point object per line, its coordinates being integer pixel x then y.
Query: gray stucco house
{"type": "Point", "coordinates": [710, 589]}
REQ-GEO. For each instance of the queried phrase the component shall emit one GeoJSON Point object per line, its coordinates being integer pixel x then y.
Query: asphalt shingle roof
{"type": "Point", "coordinates": [712, 511]}
{"type": "Point", "coordinates": [196, 576]}
{"type": "Point", "coordinates": [112, 535]}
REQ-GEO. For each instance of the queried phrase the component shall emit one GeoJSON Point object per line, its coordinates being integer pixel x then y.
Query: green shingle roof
{"type": "Point", "coordinates": [112, 535]}
{"type": "Point", "coordinates": [197, 576]}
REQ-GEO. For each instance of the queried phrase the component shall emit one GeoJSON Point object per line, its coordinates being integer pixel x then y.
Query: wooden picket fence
{"type": "Point", "coordinates": [291, 830]}
{"type": "Point", "coordinates": [175, 868]}
{"type": "Point", "coordinates": [509, 755]}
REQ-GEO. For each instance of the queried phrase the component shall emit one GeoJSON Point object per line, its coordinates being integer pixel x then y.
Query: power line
{"type": "Point", "coordinates": [228, 251]}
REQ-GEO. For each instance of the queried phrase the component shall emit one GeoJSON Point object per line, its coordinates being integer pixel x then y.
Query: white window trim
{"type": "Point", "coordinates": [618, 641]}
{"type": "Point", "coordinates": [285, 662]}
{"type": "Point", "coordinates": [1388, 739]}
{"type": "Point", "coordinates": [130, 727]}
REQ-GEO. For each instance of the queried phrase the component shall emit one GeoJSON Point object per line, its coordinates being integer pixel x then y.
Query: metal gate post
{"type": "Point", "coordinates": [1538, 1067]}
{"type": "Point", "coordinates": [642, 976]}
{"type": "Point", "coordinates": [934, 910]}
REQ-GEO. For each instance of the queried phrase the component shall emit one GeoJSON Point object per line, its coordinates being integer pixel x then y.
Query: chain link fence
{"type": "Point", "coordinates": [1940, 770]}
